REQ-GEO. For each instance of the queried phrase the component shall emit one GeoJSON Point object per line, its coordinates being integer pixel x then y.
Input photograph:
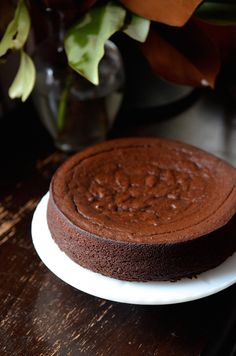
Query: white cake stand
{"type": "Point", "coordinates": [152, 293]}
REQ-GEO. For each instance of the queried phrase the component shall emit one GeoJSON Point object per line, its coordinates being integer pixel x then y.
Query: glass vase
{"type": "Point", "coordinates": [76, 112]}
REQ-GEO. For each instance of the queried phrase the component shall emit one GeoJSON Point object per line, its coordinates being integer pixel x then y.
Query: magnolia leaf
{"type": "Point", "coordinates": [185, 56]}
{"type": "Point", "coordinates": [24, 80]}
{"type": "Point", "coordinates": [17, 31]}
{"type": "Point", "coordinates": [220, 13]}
{"type": "Point", "coordinates": [84, 43]}
{"type": "Point", "coordinates": [138, 28]}
{"type": "Point", "coordinates": [169, 12]}
{"type": "Point", "coordinates": [223, 37]}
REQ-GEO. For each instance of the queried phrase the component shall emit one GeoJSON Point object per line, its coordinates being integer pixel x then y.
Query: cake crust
{"type": "Point", "coordinates": [144, 209]}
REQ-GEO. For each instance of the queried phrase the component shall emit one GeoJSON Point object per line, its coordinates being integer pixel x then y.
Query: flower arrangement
{"type": "Point", "coordinates": [184, 41]}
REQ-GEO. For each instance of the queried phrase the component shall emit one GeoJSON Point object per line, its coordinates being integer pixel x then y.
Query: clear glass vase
{"type": "Point", "coordinates": [76, 112]}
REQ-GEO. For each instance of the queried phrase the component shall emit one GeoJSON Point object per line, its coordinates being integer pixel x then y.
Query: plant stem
{"type": "Point", "coordinates": [62, 107]}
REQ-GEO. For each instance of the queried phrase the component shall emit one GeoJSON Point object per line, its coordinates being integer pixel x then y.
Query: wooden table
{"type": "Point", "coordinates": [40, 314]}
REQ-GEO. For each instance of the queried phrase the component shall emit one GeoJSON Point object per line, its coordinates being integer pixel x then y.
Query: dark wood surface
{"type": "Point", "coordinates": [40, 314]}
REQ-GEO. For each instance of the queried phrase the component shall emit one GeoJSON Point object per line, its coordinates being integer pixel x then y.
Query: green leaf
{"type": "Point", "coordinates": [138, 28]}
{"type": "Point", "coordinates": [17, 31]}
{"type": "Point", "coordinates": [24, 80]}
{"type": "Point", "coordinates": [84, 43]}
{"type": "Point", "coordinates": [218, 12]}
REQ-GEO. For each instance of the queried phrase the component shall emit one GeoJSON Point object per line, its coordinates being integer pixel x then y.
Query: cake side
{"type": "Point", "coordinates": [141, 262]}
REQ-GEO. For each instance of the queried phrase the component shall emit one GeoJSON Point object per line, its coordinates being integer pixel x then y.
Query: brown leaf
{"type": "Point", "coordinates": [223, 37]}
{"type": "Point", "coordinates": [182, 55]}
{"type": "Point", "coordinates": [169, 12]}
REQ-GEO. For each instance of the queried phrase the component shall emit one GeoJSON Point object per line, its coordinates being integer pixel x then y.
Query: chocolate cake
{"type": "Point", "coordinates": [144, 209]}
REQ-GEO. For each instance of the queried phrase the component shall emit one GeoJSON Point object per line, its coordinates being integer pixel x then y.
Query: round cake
{"type": "Point", "coordinates": [144, 209]}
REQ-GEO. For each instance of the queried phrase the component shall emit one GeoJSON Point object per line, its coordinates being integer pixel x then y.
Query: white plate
{"type": "Point", "coordinates": [98, 285]}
